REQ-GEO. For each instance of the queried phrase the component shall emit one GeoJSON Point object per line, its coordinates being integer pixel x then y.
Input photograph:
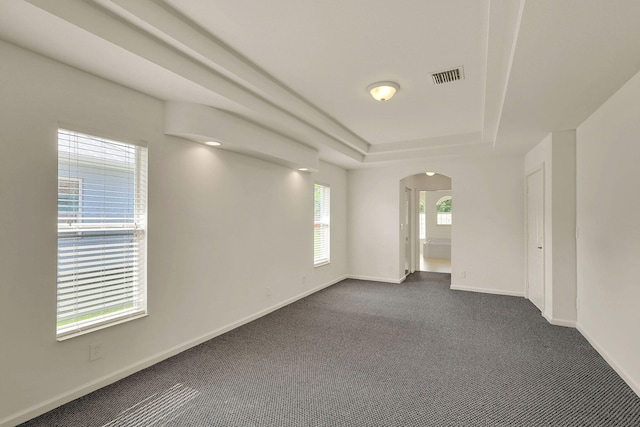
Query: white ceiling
{"type": "Point", "coordinates": [300, 68]}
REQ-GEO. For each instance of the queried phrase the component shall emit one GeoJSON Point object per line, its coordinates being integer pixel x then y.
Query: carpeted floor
{"type": "Point", "coordinates": [374, 354]}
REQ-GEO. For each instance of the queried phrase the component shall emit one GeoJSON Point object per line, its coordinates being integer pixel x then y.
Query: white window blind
{"type": "Point", "coordinates": [102, 205]}
{"type": "Point", "coordinates": [321, 224]}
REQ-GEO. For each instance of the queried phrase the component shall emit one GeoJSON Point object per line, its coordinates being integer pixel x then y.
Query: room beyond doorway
{"type": "Point", "coordinates": [435, 265]}
{"type": "Point", "coordinates": [435, 208]}
{"type": "Point", "coordinates": [426, 239]}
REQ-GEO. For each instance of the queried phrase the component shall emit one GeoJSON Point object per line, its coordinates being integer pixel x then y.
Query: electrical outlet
{"type": "Point", "coordinates": [463, 274]}
{"type": "Point", "coordinates": [95, 352]}
{"type": "Point", "coordinates": [268, 291]}
{"type": "Point", "coordinates": [304, 280]}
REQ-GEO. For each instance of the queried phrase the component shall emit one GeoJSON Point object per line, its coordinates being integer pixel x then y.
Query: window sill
{"type": "Point", "coordinates": [97, 327]}
{"type": "Point", "coordinates": [320, 264]}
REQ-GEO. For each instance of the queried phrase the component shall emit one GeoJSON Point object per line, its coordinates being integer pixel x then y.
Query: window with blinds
{"type": "Point", "coordinates": [321, 224]}
{"type": "Point", "coordinates": [102, 206]}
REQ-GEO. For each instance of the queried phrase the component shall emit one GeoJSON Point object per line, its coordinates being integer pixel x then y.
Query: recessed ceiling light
{"type": "Point", "coordinates": [430, 173]}
{"type": "Point", "coordinates": [383, 91]}
{"type": "Point", "coordinates": [303, 169]}
{"type": "Point", "coordinates": [213, 143]}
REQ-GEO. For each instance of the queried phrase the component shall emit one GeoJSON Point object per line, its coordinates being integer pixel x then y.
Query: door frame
{"type": "Point", "coordinates": [540, 168]}
{"type": "Point", "coordinates": [408, 231]}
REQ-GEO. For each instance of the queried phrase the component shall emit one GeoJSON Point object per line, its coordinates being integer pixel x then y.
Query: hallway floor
{"type": "Point", "coordinates": [437, 265]}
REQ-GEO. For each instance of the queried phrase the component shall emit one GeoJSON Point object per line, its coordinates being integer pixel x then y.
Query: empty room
{"type": "Point", "coordinates": [339, 213]}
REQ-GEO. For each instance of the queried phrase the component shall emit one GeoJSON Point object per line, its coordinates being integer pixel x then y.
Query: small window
{"type": "Point", "coordinates": [443, 211]}
{"type": "Point", "coordinates": [321, 225]}
{"type": "Point", "coordinates": [102, 206]}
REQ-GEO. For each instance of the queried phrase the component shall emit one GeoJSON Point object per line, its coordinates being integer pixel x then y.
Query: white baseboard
{"type": "Point", "coordinates": [560, 322]}
{"type": "Point", "coordinates": [378, 279]}
{"type": "Point", "coordinates": [48, 405]}
{"type": "Point", "coordinates": [610, 360]}
{"type": "Point", "coordinates": [486, 290]}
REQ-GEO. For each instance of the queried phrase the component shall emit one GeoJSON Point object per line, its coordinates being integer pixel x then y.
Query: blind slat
{"type": "Point", "coordinates": [90, 283]}
{"type": "Point", "coordinates": [101, 221]}
{"type": "Point", "coordinates": [100, 298]}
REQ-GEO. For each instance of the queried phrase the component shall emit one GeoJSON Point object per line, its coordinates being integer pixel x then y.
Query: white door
{"type": "Point", "coordinates": [535, 238]}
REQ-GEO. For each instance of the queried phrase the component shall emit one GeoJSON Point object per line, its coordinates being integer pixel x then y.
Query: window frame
{"type": "Point", "coordinates": [121, 232]}
{"type": "Point", "coordinates": [444, 218]}
{"type": "Point", "coordinates": [322, 221]}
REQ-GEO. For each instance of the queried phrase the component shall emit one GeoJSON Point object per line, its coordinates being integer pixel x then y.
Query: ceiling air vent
{"type": "Point", "coordinates": [447, 76]}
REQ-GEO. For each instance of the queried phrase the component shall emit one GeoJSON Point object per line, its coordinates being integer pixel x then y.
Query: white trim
{"type": "Point", "coordinates": [559, 322]}
{"type": "Point", "coordinates": [486, 291]}
{"type": "Point", "coordinates": [609, 359]}
{"type": "Point", "coordinates": [377, 279]}
{"type": "Point", "coordinates": [102, 325]}
{"type": "Point", "coordinates": [103, 381]}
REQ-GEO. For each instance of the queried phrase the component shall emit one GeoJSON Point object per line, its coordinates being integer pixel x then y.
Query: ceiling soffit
{"type": "Point", "coordinates": [156, 32]}
{"type": "Point", "coordinates": [569, 57]}
{"type": "Point", "coordinates": [150, 46]}
{"type": "Point", "coordinates": [190, 53]}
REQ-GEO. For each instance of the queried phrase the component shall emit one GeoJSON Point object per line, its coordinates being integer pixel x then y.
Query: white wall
{"type": "Point", "coordinates": [608, 247]}
{"type": "Point", "coordinates": [230, 237]}
{"type": "Point", "coordinates": [487, 237]}
{"type": "Point", "coordinates": [563, 206]}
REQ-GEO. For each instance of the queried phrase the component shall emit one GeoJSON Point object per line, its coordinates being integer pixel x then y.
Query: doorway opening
{"type": "Point", "coordinates": [436, 220]}
{"type": "Point", "coordinates": [429, 247]}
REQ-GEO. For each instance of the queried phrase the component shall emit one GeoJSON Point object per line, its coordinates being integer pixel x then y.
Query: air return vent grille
{"type": "Point", "coordinates": [447, 76]}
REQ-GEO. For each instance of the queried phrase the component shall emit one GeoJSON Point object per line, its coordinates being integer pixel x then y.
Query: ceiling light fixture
{"type": "Point", "coordinates": [303, 169]}
{"type": "Point", "coordinates": [383, 91]}
{"type": "Point", "coordinates": [430, 173]}
{"type": "Point", "coordinates": [213, 143]}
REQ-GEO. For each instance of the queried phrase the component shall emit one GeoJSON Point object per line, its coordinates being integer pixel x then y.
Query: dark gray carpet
{"type": "Point", "coordinates": [373, 354]}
